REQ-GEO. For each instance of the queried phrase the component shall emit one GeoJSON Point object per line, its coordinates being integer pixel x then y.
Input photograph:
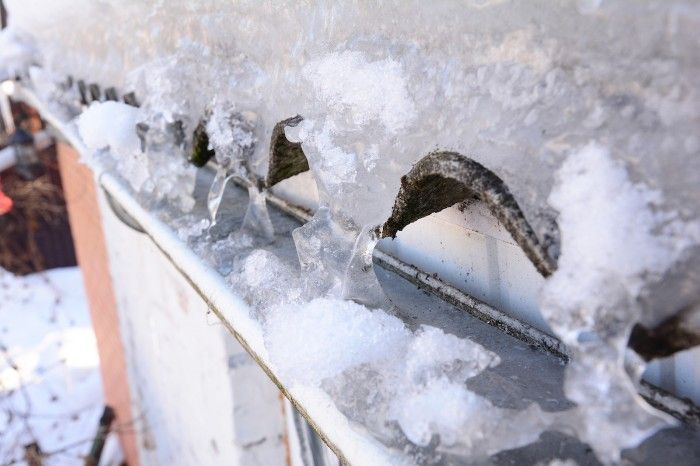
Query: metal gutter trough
{"type": "Point", "coordinates": [531, 371]}
{"type": "Point", "coordinates": [532, 362]}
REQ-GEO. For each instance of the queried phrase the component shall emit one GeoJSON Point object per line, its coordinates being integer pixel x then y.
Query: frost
{"type": "Point", "coordinates": [362, 91]}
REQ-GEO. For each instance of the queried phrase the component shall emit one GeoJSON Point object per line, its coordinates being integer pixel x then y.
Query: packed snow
{"type": "Point", "coordinates": [50, 388]}
{"type": "Point", "coordinates": [588, 111]}
{"type": "Point", "coordinates": [118, 135]}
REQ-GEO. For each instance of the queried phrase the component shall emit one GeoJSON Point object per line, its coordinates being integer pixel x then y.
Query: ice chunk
{"type": "Point", "coordinates": [190, 226]}
{"type": "Point", "coordinates": [223, 253]}
{"type": "Point", "coordinates": [613, 231]}
{"type": "Point", "coordinates": [429, 396]}
{"type": "Point", "coordinates": [415, 379]}
{"type": "Point", "coordinates": [345, 334]}
{"type": "Point", "coordinates": [440, 407]}
{"type": "Point", "coordinates": [336, 258]}
{"type": "Point", "coordinates": [324, 246]}
{"type": "Point", "coordinates": [170, 176]}
{"type": "Point", "coordinates": [266, 281]}
{"type": "Point", "coordinates": [615, 240]}
{"type": "Point", "coordinates": [433, 353]}
{"type": "Point", "coordinates": [232, 136]}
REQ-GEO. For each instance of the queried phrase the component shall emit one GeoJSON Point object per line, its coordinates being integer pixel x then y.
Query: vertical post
{"type": "Point", "coordinates": [98, 444]}
{"type": "Point", "coordinates": [3, 16]}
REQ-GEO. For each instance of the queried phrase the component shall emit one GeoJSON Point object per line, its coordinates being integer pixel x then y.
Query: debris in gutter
{"type": "Point", "coordinates": [286, 158]}
{"type": "Point", "coordinates": [201, 152]}
{"type": "Point", "coordinates": [442, 179]}
{"type": "Point", "coordinates": [677, 333]}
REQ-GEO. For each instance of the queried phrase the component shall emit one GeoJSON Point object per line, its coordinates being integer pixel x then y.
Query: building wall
{"type": "Point", "coordinates": [185, 392]}
{"type": "Point", "coordinates": [198, 397]}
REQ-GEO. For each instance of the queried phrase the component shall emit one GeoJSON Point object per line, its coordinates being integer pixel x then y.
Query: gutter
{"type": "Point", "coordinates": [351, 442]}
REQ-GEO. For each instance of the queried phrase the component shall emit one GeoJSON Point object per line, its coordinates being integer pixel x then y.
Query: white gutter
{"type": "Point", "coordinates": [351, 442]}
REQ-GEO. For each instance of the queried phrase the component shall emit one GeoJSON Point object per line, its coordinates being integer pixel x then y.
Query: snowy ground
{"type": "Point", "coordinates": [50, 389]}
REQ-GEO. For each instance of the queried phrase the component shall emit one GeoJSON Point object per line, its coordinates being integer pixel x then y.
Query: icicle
{"type": "Point", "coordinates": [257, 219]}
{"type": "Point", "coordinates": [216, 193]}
{"type": "Point", "coordinates": [592, 300]}
{"type": "Point", "coordinates": [359, 281]}
{"type": "Point", "coordinates": [231, 135]}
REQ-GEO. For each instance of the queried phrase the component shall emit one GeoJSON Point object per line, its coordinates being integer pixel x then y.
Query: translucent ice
{"type": "Point", "coordinates": [265, 281]}
{"type": "Point", "coordinates": [142, 147]}
{"type": "Point", "coordinates": [232, 137]}
{"type": "Point", "coordinates": [189, 226]}
{"type": "Point", "coordinates": [615, 239]}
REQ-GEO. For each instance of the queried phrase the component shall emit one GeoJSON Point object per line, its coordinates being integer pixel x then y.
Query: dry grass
{"type": "Point", "coordinates": [37, 203]}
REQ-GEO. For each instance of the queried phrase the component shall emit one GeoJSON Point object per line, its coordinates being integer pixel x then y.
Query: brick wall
{"type": "Point", "coordinates": [91, 251]}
